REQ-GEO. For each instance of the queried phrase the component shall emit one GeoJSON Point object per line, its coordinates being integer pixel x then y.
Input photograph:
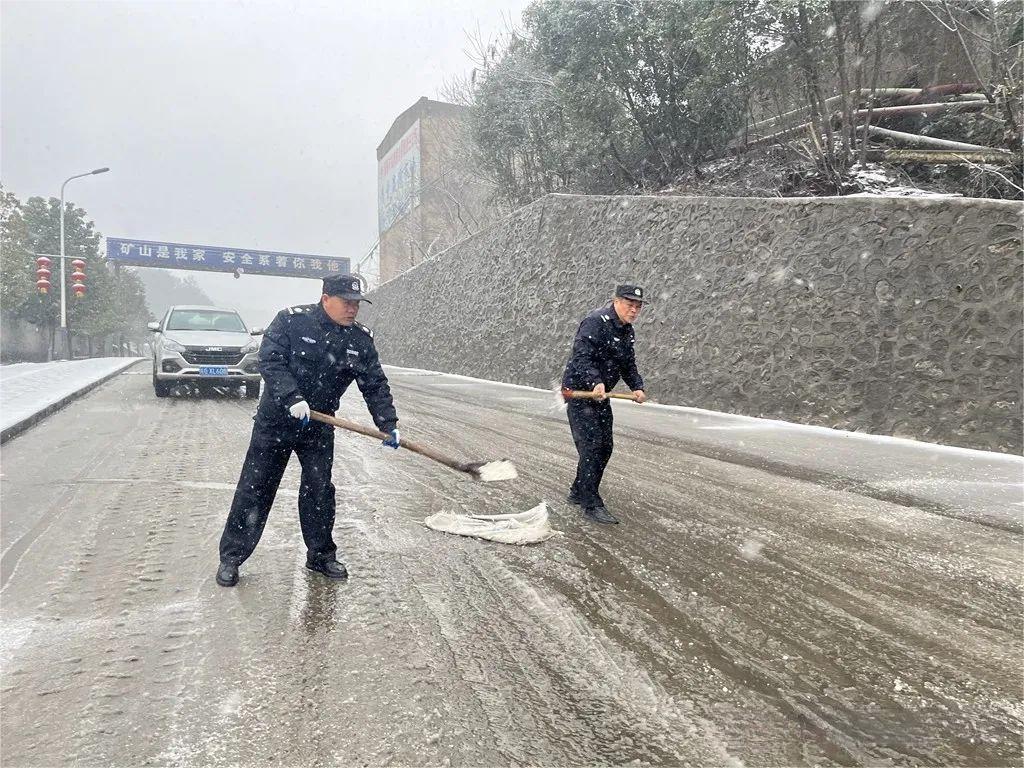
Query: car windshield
{"type": "Point", "coordinates": [204, 320]}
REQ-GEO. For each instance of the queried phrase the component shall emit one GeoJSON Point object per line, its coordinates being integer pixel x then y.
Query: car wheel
{"type": "Point", "coordinates": [161, 388]}
{"type": "Point", "coordinates": [252, 391]}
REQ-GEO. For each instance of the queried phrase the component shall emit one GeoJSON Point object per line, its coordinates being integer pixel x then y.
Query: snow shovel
{"type": "Point", "coordinates": [487, 471]}
{"type": "Point", "coordinates": [576, 394]}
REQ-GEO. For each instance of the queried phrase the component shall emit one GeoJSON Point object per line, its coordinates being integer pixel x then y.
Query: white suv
{"type": "Point", "coordinates": [205, 345]}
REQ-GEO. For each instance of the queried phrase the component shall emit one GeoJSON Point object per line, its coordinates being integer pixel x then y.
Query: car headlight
{"type": "Point", "coordinates": [252, 346]}
{"type": "Point", "coordinates": [170, 345]}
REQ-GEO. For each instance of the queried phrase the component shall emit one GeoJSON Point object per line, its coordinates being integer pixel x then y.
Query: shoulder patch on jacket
{"type": "Point", "coordinates": [298, 310]}
{"type": "Point", "coordinates": [364, 329]}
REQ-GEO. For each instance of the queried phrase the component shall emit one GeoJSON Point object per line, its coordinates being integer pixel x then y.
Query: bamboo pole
{"type": "Point", "coordinates": [974, 105]}
{"type": "Point", "coordinates": [917, 140]}
{"type": "Point", "coordinates": [770, 121]}
{"type": "Point", "coordinates": [938, 156]}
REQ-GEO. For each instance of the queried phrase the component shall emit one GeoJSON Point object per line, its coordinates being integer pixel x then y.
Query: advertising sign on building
{"type": "Point", "coordinates": [215, 258]}
{"type": "Point", "coordinates": [398, 179]}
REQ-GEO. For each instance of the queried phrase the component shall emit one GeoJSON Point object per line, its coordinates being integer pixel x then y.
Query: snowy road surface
{"type": "Point", "coordinates": [766, 601]}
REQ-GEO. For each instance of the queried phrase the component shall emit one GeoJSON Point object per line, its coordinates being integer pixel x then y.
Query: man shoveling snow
{"type": "Point", "coordinates": [310, 355]}
{"type": "Point", "coordinates": [602, 353]}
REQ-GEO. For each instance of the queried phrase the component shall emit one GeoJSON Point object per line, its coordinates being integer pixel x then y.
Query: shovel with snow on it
{"type": "Point", "coordinates": [487, 471]}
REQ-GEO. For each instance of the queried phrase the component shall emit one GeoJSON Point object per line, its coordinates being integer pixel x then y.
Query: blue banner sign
{"type": "Point", "coordinates": [212, 258]}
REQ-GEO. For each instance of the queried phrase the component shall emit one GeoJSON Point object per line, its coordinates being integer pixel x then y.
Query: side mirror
{"type": "Point", "coordinates": [153, 326]}
{"type": "Point", "coordinates": [255, 331]}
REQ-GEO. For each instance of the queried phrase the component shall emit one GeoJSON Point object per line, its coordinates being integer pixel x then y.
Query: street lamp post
{"type": "Point", "coordinates": [63, 286]}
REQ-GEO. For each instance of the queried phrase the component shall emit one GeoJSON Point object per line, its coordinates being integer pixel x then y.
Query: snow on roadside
{"type": "Point", "coordinates": [28, 388]}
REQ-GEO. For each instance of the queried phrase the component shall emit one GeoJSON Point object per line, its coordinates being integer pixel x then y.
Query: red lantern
{"type": "Point", "coordinates": [43, 274]}
{"type": "Point", "coordinates": [78, 277]}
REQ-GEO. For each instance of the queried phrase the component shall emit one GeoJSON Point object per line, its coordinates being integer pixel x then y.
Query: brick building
{"type": "Point", "coordinates": [427, 197]}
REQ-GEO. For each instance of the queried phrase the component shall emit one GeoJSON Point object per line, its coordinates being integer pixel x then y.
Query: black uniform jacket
{"type": "Point", "coordinates": [307, 356]}
{"type": "Point", "coordinates": [602, 352]}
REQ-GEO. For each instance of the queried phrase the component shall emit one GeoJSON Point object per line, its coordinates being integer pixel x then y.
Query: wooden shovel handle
{"type": "Point", "coordinates": [576, 394]}
{"type": "Point", "coordinates": [422, 450]}
{"type": "Point", "coordinates": [351, 426]}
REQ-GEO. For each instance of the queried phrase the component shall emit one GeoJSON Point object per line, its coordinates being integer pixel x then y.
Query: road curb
{"type": "Point", "coordinates": [16, 429]}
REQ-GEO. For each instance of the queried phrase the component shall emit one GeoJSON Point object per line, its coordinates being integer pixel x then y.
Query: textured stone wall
{"type": "Point", "coordinates": [894, 316]}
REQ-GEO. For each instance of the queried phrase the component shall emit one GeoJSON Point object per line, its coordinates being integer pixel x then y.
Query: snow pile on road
{"type": "Point", "coordinates": [530, 527]}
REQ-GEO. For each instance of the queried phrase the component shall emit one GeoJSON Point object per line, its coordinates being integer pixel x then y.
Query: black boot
{"type": "Point", "coordinates": [573, 499]}
{"type": "Point", "coordinates": [227, 574]}
{"type": "Point", "coordinates": [600, 515]}
{"type": "Point", "coordinates": [332, 569]}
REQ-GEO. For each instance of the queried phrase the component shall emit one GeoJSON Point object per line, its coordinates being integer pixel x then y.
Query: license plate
{"type": "Point", "coordinates": [213, 370]}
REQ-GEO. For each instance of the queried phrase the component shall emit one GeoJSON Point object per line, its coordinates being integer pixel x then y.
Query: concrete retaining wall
{"type": "Point", "coordinates": [21, 341]}
{"type": "Point", "coordinates": [899, 316]}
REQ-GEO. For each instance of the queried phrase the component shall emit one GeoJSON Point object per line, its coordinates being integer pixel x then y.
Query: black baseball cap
{"type": "Point", "coordinates": [634, 292]}
{"type": "Point", "coordinates": [346, 287]}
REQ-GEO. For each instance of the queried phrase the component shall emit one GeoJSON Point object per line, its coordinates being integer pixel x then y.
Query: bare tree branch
{"type": "Point", "coordinates": [970, 59]}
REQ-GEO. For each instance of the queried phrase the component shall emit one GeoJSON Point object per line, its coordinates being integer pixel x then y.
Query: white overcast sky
{"type": "Point", "coordinates": [248, 124]}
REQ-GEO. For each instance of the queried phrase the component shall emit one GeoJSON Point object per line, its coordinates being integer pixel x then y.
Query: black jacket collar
{"type": "Point", "coordinates": [614, 317]}
{"type": "Point", "coordinates": [324, 319]}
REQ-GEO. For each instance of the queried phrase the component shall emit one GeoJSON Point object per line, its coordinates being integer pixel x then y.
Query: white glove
{"type": "Point", "coordinates": [300, 411]}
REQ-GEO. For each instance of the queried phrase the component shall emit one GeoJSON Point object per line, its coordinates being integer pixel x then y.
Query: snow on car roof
{"type": "Point", "coordinates": [203, 306]}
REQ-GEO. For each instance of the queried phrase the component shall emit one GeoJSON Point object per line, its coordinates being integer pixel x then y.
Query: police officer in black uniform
{"type": "Point", "coordinates": [309, 356]}
{"type": "Point", "coordinates": [602, 352]}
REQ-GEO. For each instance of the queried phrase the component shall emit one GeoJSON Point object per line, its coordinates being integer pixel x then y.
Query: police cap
{"type": "Point", "coordinates": [346, 287]}
{"type": "Point", "coordinates": [634, 292]}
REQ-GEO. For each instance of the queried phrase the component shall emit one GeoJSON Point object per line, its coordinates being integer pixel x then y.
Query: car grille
{"type": "Point", "coordinates": [200, 356]}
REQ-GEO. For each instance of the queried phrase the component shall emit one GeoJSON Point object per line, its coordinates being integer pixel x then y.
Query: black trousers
{"type": "Point", "coordinates": [270, 449]}
{"type": "Point", "coordinates": [591, 425]}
